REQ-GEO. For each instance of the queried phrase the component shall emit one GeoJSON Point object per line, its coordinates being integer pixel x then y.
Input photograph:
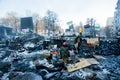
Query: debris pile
{"type": "Point", "coordinates": [29, 58]}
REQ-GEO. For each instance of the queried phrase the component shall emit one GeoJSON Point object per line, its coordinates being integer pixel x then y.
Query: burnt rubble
{"type": "Point", "coordinates": [29, 58]}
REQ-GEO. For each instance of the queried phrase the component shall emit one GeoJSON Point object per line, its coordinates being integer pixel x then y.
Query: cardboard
{"type": "Point", "coordinates": [82, 64]}
{"type": "Point", "coordinates": [99, 57]}
{"type": "Point", "coordinates": [93, 41]}
{"type": "Point", "coordinates": [92, 61]}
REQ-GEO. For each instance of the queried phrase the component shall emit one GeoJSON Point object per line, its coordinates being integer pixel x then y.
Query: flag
{"type": "Point", "coordinates": [70, 23]}
{"type": "Point", "coordinates": [86, 26]}
{"type": "Point", "coordinates": [46, 27]}
{"type": "Point", "coordinates": [97, 28]}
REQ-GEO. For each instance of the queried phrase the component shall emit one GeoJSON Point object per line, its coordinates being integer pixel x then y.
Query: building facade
{"type": "Point", "coordinates": [5, 31]}
{"type": "Point", "coordinates": [110, 27]}
{"type": "Point", "coordinates": [117, 20]}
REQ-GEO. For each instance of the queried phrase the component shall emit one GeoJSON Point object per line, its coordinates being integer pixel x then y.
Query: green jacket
{"type": "Point", "coordinates": [64, 52]}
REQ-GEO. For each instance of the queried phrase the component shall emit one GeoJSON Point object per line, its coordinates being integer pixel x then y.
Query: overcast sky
{"type": "Point", "coordinates": [67, 10]}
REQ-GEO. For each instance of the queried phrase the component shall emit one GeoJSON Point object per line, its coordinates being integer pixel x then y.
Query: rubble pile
{"type": "Point", "coordinates": [111, 67]}
{"type": "Point", "coordinates": [33, 60]}
{"type": "Point", "coordinates": [108, 48]}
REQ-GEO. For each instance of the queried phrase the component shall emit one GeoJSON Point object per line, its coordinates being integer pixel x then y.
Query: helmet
{"type": "Point", "coordinates": [64, 43]}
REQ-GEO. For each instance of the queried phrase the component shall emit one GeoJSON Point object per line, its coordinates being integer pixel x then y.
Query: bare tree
{"type": "Point", "coordinates": [12, 20]}
{"type": "Point", "coordinates": [52, 18]}
{"type": "Point", "coordinates": [36, 20]}
{"type": "Point", "coordinates": [91, 25]}
{"type": "Point", "coordinates": [51, 21]}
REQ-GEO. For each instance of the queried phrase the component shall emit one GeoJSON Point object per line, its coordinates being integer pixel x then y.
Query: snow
{"type": "Point", "coordinates": [29, 44]}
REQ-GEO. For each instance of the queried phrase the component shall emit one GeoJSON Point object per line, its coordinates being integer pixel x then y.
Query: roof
{"type": "Point", "coordinates": [1, 26]}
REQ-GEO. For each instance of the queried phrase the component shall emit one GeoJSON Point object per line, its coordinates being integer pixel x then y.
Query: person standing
{"type": "Point", "coordinates": [77, 44]}
{"type": "Point", "coordinates": [64, 52]}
